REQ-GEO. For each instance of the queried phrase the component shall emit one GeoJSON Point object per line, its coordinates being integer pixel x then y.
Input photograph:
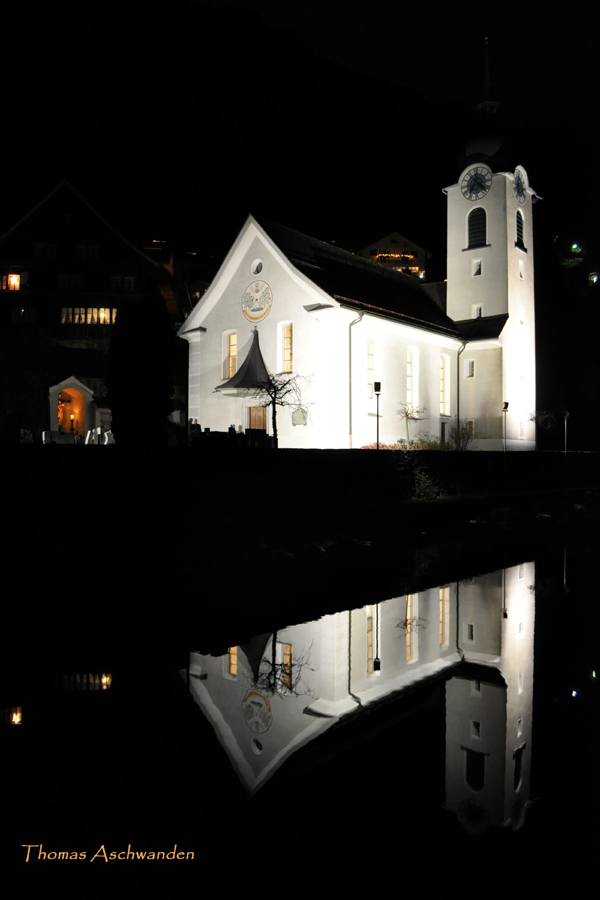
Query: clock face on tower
{"type": "Point", "coordinates": [476, 183]}
{"type": "Point", "coordinates": [520, 185]}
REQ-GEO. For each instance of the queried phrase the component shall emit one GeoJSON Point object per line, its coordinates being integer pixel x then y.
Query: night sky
{"type": "Point", "coordinates": [341, 118]}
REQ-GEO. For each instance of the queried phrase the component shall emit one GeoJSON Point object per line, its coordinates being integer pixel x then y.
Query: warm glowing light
{"type": "Point", "coordinates": [573, 693]}
{"type": "Point", "coordinates": [16, 717]}
{"type": "Point", "coordinates": [14, 282]}
{"type": "Point", "coordinates": [106, 682]}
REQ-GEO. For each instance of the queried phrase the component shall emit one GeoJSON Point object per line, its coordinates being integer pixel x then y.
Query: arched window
{"type": "Point", "coordinates": [412, 377]}
{"type": "Point", "coordinates": [286, 347]}
{"type": "Point", "coordinates": [477, 227]}
{"type": "Point", "coordinates": [229, 354]}
{"type": "Point", "coordinates": [444, 385]}
{"type": "Point", "coordinates": [520, 230]}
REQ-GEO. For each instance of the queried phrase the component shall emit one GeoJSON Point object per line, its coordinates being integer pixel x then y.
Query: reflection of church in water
{"type": "Point", "coordinates": [272, 696]}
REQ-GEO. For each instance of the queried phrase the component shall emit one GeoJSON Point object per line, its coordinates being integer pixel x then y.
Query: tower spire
{"type": "Point", "coordinates": [489, 104]}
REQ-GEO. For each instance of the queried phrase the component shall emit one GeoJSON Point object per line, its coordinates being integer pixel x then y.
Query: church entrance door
{"type": "Point", "coordinates": [258, 417]}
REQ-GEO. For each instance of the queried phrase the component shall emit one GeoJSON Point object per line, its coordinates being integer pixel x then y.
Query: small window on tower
{"type": "Point", "coordinates": [520, 230]}
{"type": "Point", "coordinates": [477, 228]}
{"type": "Point", "coordinates": [476, 267]}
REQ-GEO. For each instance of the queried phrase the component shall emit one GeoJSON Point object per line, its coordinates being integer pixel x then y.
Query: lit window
{"type": "Point", "coordinates": [229, 354]}
{"type": "Point", "coordinates": [411, 627]}
{"type": "Point", "coordinates": [87, 682]}
{"type": "Point", "coordinates": [444, 385]}
{"type": "Point", "coordinates": [283, 659]}
{"type": "Point", "coordinates": [288, 348]}
{"type": "Point", "coordinates": [87, 315]}
{"type": "Point", "coordinates": [477, 228]}
{"type": "Point", "coordinates": [14, 282]}
{"type": "Point", "coordinates": [444, 599]}
{"type": "Point", "coordinates": [370, 354]}
{"type": "Point", "coordinates": [233, 661]}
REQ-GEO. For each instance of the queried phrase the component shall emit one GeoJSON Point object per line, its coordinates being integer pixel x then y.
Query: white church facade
{"type": "Point", "coordinates": [365, 339]}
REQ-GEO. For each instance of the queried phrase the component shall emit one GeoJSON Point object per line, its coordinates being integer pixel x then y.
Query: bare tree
{"type": "Point", "coordinates": [284, 389]}
{"type": "Point", "coordinates": [284, 675]}
{"type": "Point", "coordinates": [409, 412]}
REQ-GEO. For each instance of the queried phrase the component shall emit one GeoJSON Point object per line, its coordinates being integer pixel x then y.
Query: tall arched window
{"type": "Point", "coordinates": [229, 354]}
{"type": "Point", "coordinates": [444, 385]}
{"type": "Point", "coordinates": [412, 377]}
{"type": "Point", "coordinates": [520, 226]}
{"type": "Point", "coordinates": [286, 347]}
{"type": "Point", "coordinates": [477, 227]}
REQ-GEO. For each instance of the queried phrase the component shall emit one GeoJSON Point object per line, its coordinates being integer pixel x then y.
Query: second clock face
{"type": "Point", "coordinates": [476, 183]}
{"type": "Point", "coordinates": [520, 186]}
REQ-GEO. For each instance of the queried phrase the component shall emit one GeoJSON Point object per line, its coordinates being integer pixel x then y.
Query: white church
{"type": "Point", "coordinates": [367, 340]}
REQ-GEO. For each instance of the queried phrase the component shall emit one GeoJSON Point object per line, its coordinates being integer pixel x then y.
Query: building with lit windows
{"type": "Point", "coordinates": [65, 273]}
{"type": "Point", "coordinates": [369, 340]}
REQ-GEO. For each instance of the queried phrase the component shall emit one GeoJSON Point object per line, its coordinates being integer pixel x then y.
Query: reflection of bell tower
{"type": "Point", "coordinates": [490, 291]}
{"type": "Point", "coordinates": [489, 703]}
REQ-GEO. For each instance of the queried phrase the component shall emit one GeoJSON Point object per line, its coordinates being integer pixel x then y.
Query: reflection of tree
{"type": "Point", "coordinates": [412, 624]}
{"type": "Point", "coordinates": [281, 672]}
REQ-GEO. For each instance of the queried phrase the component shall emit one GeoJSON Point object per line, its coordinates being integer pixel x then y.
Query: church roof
{"type": "Point", "coordinates": [252, 372]}
{"type": "Point", "coordinates": [483, 328]}
{"type": "Point", "coordinates": [361, 284]}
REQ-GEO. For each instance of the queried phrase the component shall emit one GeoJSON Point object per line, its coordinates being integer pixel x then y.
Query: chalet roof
{"type": "Point", "coordinates": [66, 186]}
{"type": "Point", "coordinates": [251, 373]}
{"type": "Point", "coordinates": [483, 328]}
{"type": "Point", "coordinates": [359, 283]}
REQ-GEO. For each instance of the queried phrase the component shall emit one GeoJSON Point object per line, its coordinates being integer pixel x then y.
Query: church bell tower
{"type": "Point", "coordinates": [490, 290]}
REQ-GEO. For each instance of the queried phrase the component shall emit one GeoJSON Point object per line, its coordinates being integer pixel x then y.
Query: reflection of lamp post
{"type": "Point", "coordinates": [505, 410]}
{"type": "Point", "coordinates": [377, 388]}
{"type": "Point", "coordinates": [566, 417]}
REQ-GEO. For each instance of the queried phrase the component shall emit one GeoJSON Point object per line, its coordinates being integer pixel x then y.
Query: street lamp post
{"type": "Point", "coordinates": [377, 388]}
